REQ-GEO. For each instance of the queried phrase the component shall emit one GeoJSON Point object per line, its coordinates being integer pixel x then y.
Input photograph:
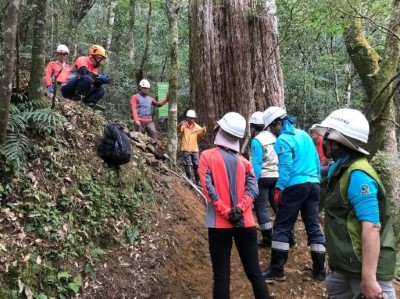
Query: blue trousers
{"type": "Point", "coordinates": [299, 198]}
{"type": "Point", "coordinates": [83, 86]}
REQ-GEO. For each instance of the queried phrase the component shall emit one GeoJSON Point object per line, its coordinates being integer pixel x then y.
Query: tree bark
{"type": "Point", "coordinates": [173, 9]}
{"type": "Point", "coordinates": [234, 57]}
{"type": "Point", "coordinates": [7, 67]}
{"type": "Point", "coordinates": [38, 51]}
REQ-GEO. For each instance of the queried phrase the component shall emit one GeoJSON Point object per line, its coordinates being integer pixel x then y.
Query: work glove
{"type": "Point", "coordinates": [50, 89]}
{"type": "Point", "coordinates": [104, 79]}
{"type": "Point", "coordinates": [235, 217]}
{"type": "Point", "coordinates": [277, 197]}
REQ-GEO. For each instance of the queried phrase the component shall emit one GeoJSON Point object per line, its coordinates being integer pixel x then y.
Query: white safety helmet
{"type": "Point", "coordinates": [191, 114]}
{"type": "Point", "coordinates": [346, 126]}
{"type": "Point", "coordinates": [233, 123]}
{"type": "Point", "coordinates": [271, 114]}
{"type": "Point", "coordinates": [144, 83]}
{"type": "Point", "coordinates": [62, 49]}
{"type": "Point", "coordinates": [256, 118]}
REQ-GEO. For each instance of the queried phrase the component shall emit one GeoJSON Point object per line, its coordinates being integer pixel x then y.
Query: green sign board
{"type": "Point", "coordinates": [162, 91]}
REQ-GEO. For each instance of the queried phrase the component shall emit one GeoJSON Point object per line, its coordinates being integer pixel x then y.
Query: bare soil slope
{"type": "Point", "coordinates": [171, 260]}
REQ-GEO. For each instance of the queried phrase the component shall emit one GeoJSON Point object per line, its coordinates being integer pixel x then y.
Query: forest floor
{"type": "Point", "coordinates": [171, 260]}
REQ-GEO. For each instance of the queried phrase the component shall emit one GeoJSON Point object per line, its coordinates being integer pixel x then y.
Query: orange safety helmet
{"type": "Point", "coordinates": [97, 50]}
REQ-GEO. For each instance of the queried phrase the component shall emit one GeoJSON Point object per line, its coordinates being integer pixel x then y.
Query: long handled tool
{"type": "Point", "coordinates": [195, 187]}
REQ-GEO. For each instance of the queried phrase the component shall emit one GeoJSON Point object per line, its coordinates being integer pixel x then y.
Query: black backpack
{"type": "Point", "coordinates": [115, 149]}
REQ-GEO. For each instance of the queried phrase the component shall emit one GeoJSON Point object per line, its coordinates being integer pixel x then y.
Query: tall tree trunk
{"type": "Point", "coordinates": [140, 71]}
{"type": "Point", "coordinates": [7, 67]}
{"type": "Point", "coordinates": [173, 9]}
{"type": "Point", "coordinates": [110, 22]}
{"type": "Point", "coordinates": [132, 17]}
{"type": "Point", "coordinates": [38, 50]}
{"type": "Point", "coordinates": [234, 57]}
{"type": "Point", "coordinates": [376, 75]}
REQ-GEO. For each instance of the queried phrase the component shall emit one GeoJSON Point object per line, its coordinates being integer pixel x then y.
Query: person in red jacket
{"type": "Point", "coordinates": [230, 186]}
{"type": "Point", "coordinates": [58, 69]}
{"type": "Point", "coordinates": [324, 161]}
{"type": "Point", "coordinates": [141, 104]}
{"type": "Point", "coordinates": [84, 81]}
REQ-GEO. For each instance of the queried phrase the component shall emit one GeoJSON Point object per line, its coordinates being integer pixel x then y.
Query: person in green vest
{"type": "Point", "coordinates": [359, 233]}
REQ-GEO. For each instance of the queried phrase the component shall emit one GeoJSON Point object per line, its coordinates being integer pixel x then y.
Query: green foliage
{"type": "Point", "coordinates": [26, 119]}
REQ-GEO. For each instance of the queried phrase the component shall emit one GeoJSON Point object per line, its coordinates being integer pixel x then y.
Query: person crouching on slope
{"type": "Point", "coordinates": [189, 147]}
{"type": "Point", "coordinates": [84, 82]}
{"type": "Point", "coordinates": [230, 187]}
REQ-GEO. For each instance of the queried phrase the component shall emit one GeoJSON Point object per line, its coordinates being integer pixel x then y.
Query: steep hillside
{"type": "Point", "coordinates": [70, 227]}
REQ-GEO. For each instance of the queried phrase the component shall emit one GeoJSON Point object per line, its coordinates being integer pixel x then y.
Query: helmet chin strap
{"type": "Point", "coordinates": [97, 62]}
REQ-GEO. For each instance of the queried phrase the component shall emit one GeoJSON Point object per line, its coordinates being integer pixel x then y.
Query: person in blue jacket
{"type": "Point", "coordinates": [297, 190]}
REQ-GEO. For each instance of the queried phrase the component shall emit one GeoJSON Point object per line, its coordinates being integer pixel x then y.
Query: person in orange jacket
{"type": "Point", "coordinates": [190, 149]}
{"type": "Point", "coordinates": [84, 81]}
{"type": "Point", "coordinates": [230, 186]}
{"type": "Point", "coordinates": [141, 105]}
{"type": "Point", "coordinates": [58, 69]}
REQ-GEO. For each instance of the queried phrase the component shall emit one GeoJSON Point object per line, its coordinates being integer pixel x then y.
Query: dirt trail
{"type": "Point", "coordinates": [171, 260]}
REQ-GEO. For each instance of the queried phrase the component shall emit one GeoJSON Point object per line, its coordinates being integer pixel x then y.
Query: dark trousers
{"type": "Point", "coordinates": [299, 198]}
{"type": "Point", "coordinates": [264, 200]}
{"type": "Point", "coordinates": [83, 86]}
{"type": "Point", "coordinates": [147, 126]}
{"type": "Point", "coordinates": [220, 242]}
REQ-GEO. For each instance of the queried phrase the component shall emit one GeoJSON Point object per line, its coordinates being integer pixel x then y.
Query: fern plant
{"type": "Point", "coordinates": [22, 116]}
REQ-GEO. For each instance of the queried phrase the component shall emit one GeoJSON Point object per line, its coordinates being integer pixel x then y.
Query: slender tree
{"type": "Point", "coordinates": [173, 13]}
{"type": "Point", "coordinates": [234, 57]}
{"type": "Point", "coordinates": [7, 67]}
{"type": "Point", "coordinates": [132, 17]}
{"type": "Point", "coordinates": [377, 74]}
{"type": "Point", "coordinates": [38, 51]}
{"type": "Point", "coordinates": [140, 71]}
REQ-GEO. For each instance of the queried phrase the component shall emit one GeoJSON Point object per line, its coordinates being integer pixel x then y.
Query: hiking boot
{"type": "Point", "coordinates": [266, 240]}
{"type": "Point", "coordinates": [275, 269]}
{"type": "Point", "coordinates": [318, 269]}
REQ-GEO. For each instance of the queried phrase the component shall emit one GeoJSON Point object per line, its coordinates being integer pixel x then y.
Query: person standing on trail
{"type": "Point", "coordinates": [297, 190]}
{"type": "Point", "coordinates": [230, 187]}
{"type": "Point", "coordinates": [358, 225]}
{"type": "Point", "coordinates": [141, 105]}
{"type": "Point", "coordinates": [265, 164]}
{"type": "Point", "coordinates": [190, 149]}
{"type": "Point", "coordinates": [84, 81]}
{"type": "Point", "coordinates": [57, 70]}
